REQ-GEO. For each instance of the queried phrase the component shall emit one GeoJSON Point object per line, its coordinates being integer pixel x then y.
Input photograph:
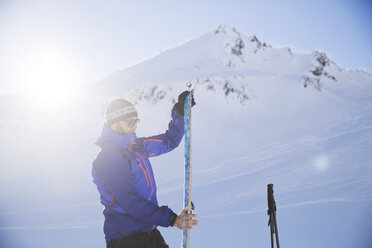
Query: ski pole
{"type": "Point", "coordinates": [272, 215]}
{"type": "Point", "coordinates": [188, 160]}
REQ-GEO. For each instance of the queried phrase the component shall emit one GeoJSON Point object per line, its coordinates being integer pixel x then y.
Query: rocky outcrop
{"type": "Point", "coordinates": [319, 70]}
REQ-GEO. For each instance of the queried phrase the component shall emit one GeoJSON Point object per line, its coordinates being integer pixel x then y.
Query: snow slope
{"type": "Point", "coordinates": [263, 115]}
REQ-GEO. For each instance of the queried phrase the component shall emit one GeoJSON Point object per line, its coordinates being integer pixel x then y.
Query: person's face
{"type": "Point", "coordinates": [128, 126]}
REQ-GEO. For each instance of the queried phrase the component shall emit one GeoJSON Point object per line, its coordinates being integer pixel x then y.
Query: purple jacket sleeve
{"type": "Point", "coordinates": [115, 171]}
{"type": "Point", "coordinates": [166, 142]}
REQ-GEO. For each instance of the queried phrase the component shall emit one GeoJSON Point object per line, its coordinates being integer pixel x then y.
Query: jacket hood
{"type": "Point", "coordinates": [122, 140]}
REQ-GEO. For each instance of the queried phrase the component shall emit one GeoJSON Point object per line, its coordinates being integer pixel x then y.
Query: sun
{"type": "Point", "coordinates": [51, 80]}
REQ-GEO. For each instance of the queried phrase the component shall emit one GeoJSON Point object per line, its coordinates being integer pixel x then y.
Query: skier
{"type": "Point", "coordinates": [125, 180]}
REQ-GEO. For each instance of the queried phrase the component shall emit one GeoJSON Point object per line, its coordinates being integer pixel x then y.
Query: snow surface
{"type": "Point", "coordinates": [263, 115]}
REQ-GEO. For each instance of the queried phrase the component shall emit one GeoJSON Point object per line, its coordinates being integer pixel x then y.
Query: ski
{"type": "Point", "coordinates": [188, 164]}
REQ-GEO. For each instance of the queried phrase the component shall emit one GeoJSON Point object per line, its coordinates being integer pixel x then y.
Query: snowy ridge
{"type": "Point", "coordinates": [222, 59]}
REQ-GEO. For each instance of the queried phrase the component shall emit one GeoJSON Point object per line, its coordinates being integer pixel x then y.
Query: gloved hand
{"type": "Point", "coordinates": [180, 105]}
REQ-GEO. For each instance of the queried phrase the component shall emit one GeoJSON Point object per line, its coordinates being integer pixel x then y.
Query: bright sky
{"type": "Point", "coordinates": [72, 42]}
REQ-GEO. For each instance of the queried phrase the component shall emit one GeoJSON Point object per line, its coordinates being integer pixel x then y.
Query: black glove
{"type": "Point", "coordinates": [180, 105]}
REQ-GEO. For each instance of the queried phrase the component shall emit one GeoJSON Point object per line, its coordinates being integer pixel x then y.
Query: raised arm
{"type": "Point", "coordinates": [163, 143]}
{"type": "Point", "coordinates": [166, 142]}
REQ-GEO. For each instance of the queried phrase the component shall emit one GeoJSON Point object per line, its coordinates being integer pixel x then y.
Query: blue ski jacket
{"type": "Point", "coordinates": [125, 180]}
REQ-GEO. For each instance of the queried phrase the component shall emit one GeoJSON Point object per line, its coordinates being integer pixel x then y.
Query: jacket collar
{"type": "Point", "coordinates": [123, 141]}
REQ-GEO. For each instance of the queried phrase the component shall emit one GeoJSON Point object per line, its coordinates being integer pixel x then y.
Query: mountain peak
{"type": "Point", "coordinates": [224, 29]}
{"type": "Point", "coordinates": [224, 61]}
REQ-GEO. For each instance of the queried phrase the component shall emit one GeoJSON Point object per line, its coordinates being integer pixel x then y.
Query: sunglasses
{"type": "Point", "coordinates": [132, 122]}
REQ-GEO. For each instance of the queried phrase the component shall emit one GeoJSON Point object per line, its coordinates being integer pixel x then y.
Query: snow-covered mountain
{"type": "Point", "coordinates": [223, 59]}
{"type": "Point", "coordinates": [263, 115]}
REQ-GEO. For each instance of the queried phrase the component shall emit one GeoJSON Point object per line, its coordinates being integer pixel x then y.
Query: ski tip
{"type": "Point", "coordinates": [190, 86]}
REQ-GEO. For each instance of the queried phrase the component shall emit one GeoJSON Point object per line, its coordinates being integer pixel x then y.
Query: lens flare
{"type": "Point", "coordinates": [321, 163]}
